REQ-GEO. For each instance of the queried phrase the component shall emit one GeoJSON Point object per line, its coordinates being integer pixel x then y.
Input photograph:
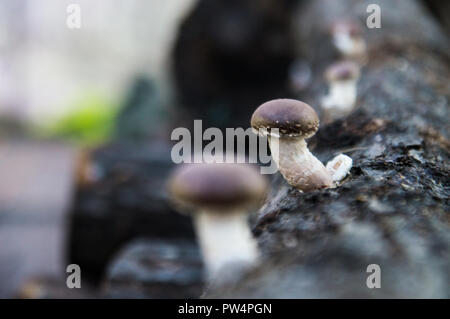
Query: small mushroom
{"type": "Point", "coordinates": [220, 197]}
{"type": "Point", "coordinates": [342, 78]}
{"type": "Point", "coordinates": [339, 167]}
{"type": "Point", "coordinates": [348, 39]}
{"type": "Point", "coordinates": [295, 121]}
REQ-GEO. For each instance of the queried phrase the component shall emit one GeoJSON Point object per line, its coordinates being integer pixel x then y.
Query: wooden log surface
{"type": "Point", "coordinates": [393, 209]}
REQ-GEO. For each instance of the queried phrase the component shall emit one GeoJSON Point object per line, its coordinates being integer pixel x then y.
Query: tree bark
{"type": "Point", "coordinates": [392, 210]}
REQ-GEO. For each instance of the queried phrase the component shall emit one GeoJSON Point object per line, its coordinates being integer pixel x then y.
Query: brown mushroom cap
{"type": "Point", "coordinates": [352, 28]}
{"type": "Point", "coordinates": [221, 187]}
{"type": "Point", "coordinates": [341, 71]}
{"type": "Point", "coordinates": [293, 118]}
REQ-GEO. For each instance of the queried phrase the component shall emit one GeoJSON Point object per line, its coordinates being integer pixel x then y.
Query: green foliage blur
{"type": "Point", "coordinates": [90, 123]}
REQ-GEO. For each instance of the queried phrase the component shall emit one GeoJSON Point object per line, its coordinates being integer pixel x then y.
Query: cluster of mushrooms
{"type": "Point", "coordinates": [220, 196]}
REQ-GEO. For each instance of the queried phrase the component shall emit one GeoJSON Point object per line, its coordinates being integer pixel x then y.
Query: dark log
{"type": "Point", "coordinates": [121, 196]}
{"type": "Point", "coordinates": [393, 209]}
{"type": "Point", "coordinates": [155, 269]}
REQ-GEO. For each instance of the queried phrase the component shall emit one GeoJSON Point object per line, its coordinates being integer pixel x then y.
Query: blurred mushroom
{"type": "Point", "coordinates": [348, 38]}
{"type": "Point", "coordinates": [219, 197]}
{"type": "Point", "coordinates": [342, 78]}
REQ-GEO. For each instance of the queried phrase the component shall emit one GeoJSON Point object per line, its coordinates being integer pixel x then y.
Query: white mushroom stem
{"type": "Point", "coordinates": [339, 167]}
{"type": "Point", "coordinates": [349, 46]}
{"type": "Point", "coordinates": [341, 98]}
{"type": "Point", "coordinates": [297, 164]}
{"type": "Point", "coordinates": [225, 239]}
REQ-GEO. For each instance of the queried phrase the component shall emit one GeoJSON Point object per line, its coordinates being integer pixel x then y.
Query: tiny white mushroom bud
{"type": "Point", "coordinates": [339, 167]}
{"type": "Point", "coordinates": [342, 78]}
{"type": "Point", "coordinates": [220, 197]}
{"type": "Point", "coordinates": [295, 122]}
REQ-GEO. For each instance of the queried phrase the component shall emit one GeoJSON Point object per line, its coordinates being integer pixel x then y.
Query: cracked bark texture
{"type": "Point", "coordinates": [393, 209]}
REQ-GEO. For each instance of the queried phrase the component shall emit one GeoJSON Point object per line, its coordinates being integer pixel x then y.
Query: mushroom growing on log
{"type": "Point", "coordinates": [342, 78]}
{"type": "Point", "coordinates": [348, 39]}
{"type": "Point", "coordinates": [220, 196]}
{"type": "Point", "coordinates": [394, 209]}
{"type": "Point", "coordinates": [287, 123]}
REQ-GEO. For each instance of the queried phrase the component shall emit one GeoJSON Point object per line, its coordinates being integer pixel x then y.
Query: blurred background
{"type": "Point", "coordinates": [55, 79]}
{"type": "Point", "coordinates": [63, 93]}
{"type": "Point", "coordinates": [85, 122]}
